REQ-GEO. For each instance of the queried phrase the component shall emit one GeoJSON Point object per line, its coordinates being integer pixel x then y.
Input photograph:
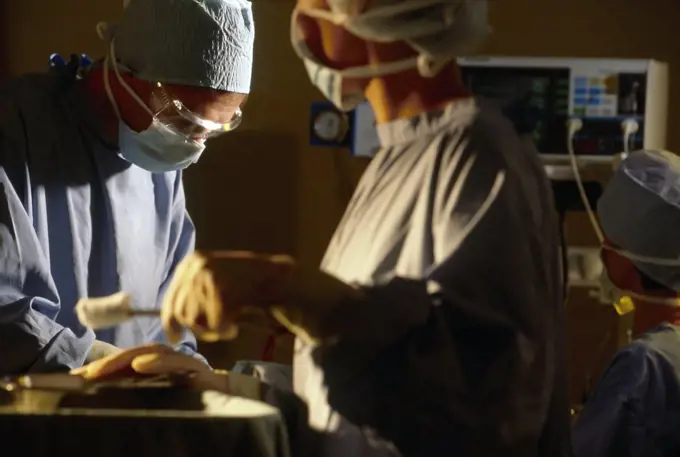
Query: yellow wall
{"type": "Point", "coordinates": [264, 188]}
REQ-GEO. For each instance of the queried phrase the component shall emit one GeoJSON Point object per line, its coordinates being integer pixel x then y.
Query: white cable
{"type": "Point", "coordinates": [102, 28]}
{"type": "Point", "coordinates": [574, 125]}
{"type": "Point", "coordinates": [630, 127]}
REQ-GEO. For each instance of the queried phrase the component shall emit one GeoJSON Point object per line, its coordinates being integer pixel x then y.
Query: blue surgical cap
{"type": "Point", "coordinates": [640, 212]}
{"type": "Point", "coordinates": [203, 43]}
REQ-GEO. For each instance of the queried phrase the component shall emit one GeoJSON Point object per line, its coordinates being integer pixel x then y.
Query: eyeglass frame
{"type": "Point", "coordinates": [213, 129]}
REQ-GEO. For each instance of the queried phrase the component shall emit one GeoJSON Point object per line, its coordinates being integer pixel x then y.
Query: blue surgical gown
{"type": "Point", "coordinates": [76, 220]}
{"type": "Point", "coordinates": [635, 409]}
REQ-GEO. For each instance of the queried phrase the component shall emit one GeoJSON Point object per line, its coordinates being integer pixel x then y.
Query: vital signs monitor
{"type": "Point", "coordinates": [600, 108]}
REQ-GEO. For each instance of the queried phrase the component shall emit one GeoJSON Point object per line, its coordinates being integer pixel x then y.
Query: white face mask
{"type": "Point", "coordinates": [440, 31]}
{"type": "Point", "coordinates": [156, 149]}
{"type": "Point", "coordinates": [330, 81]}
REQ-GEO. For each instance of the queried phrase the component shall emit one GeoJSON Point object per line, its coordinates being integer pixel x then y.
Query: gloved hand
{"type": "Point", "coordinates": [100, 350]}
{"type": "Point", "coordinates": [158, 359]}
{"type": "Point", "coordinates": [212, 292]}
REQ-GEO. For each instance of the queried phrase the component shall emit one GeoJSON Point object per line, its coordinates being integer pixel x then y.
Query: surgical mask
{"type": "Point", "coordinates": [330, 81]}
{"type": "Point", "coordinates": [156, 149]}
{"type": "Point", "coordinates": [622, 299]}
{"type": "Point", "coordinates": [387, 24]}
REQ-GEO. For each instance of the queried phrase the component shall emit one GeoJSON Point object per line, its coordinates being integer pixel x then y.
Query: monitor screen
{"type": "Point", "coordinates": [541, 97]}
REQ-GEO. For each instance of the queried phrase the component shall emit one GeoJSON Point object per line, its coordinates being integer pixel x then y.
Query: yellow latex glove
{"type": "Point", "coordinates": [212, 293]}
{"type": "Point", "coordinates": [158, 359]}
{"type": "Point", "coordinates": [154, 359]}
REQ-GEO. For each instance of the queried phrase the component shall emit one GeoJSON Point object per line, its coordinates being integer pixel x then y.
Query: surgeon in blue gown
{"type": "Point", "coordinates": [635, 408]}
{"type": "Point", "coordinates": [91, 160]}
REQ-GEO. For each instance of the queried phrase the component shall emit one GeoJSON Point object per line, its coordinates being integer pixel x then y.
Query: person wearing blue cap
{"type": "Point", "coordinates": [91, 160]}
{"type": "Point", "coordinates": [634, 409]}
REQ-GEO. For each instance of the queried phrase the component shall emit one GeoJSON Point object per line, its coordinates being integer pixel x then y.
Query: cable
{"type": "Point", "coordinates": [575, 125]}
{"type": "Point", "coordinates": [630, 127]}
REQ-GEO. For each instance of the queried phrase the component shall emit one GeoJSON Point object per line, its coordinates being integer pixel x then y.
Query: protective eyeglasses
{"type": "Point", "coordinates": [175, 116]}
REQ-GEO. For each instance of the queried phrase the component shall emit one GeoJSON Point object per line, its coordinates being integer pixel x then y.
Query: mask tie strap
{"type": "Point", "coordinates": [127, 87]}
{"type": "Point", "coordinates": [107, 88]}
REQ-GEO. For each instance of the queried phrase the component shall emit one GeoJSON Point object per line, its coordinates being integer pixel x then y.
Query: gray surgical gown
{"type": "Point", "coordinates": [457, 349]}
{"type": "Point", "coordinates": [76, 220]}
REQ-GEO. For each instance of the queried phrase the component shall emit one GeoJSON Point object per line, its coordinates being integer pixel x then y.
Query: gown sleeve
{"type": "Point", "coordinates": [30, 339]}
